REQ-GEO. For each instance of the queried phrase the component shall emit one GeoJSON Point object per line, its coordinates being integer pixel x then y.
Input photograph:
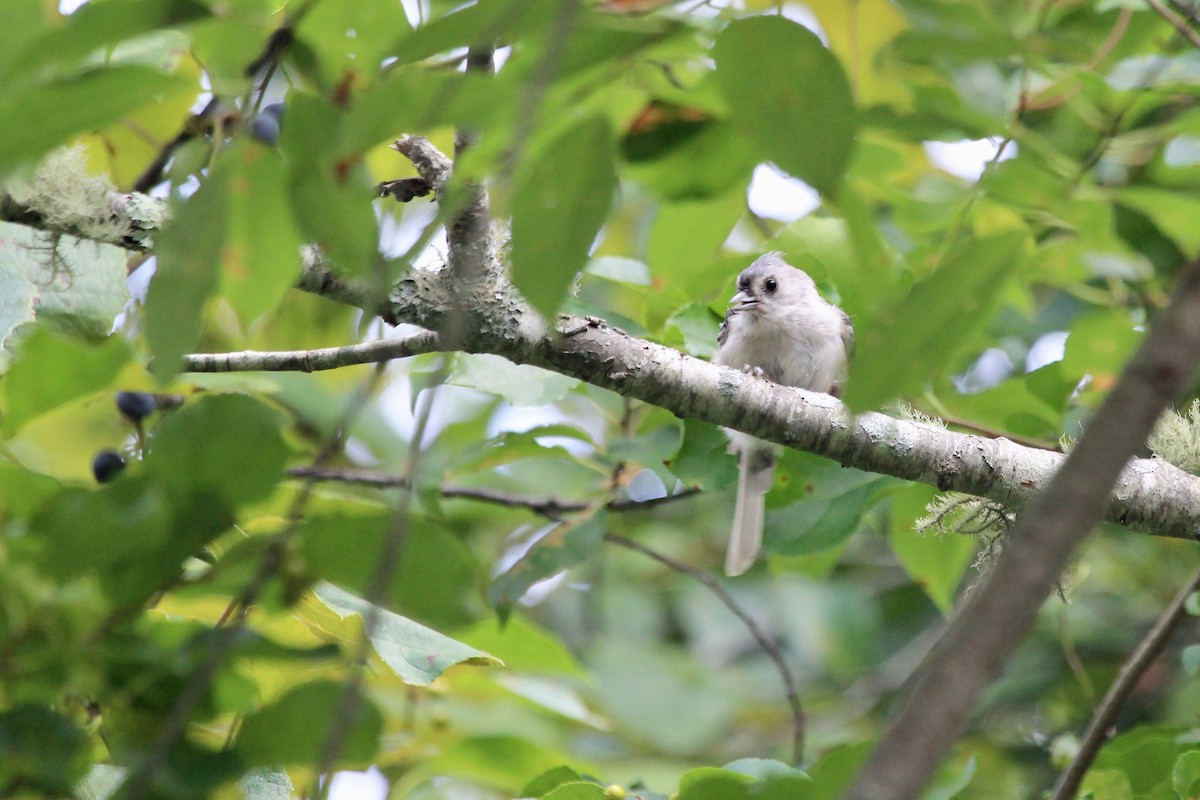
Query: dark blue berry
{"type": "Point", "coordinates": [136, 405]}
{"type": "Point", "coordinates": [276, 110]}
{"type": "Point", "coordinates": [265, 128]}
{"type": "Point", "coordinates": [107, 465]}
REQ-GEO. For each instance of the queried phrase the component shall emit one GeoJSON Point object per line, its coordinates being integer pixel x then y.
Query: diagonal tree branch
{"type": "Point", "coordinates": [981, 639]}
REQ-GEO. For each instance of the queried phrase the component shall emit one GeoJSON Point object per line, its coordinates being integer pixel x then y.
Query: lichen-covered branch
{"type": "Point", "coordinates": [1151, 495]}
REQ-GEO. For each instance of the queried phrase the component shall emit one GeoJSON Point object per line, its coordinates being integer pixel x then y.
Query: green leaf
{"type": "Point", "coordinates": [224, 446]}
{"type": "Point", "coordinates": [18, 297]}
{"type": "Point", "coordinates": [78, 369]}
{"type": "Point", "coordinates": [1185, 777]}
{"type": "Point", "coordinates": [549, 780]}
{"type": "Point", "coordinates": [702, 459]}
{"type": "Point", "coordinates": [699, 327]}
{"type": "Point", "coordinates": [835, 769]}
{"type": "Point", "coordinates": [189, 258]}
{"type": "Point", "coordinates": [710, 783]}
{"type": "Point", "coordinates": [795, 105]}
{"type": "Point", "coordinates": [434, 582]}
{"type": "Point", "coordinates": [502, 761]}
{"type": "Point", "coordinates": [687, 234]}
{"type": "Point", "coordinates": [79, 284]}
{"type": "Point", "coordinates": [40, 750]}
{"type": "Point", "coordinates": [127, 519]}
{"type": "Point", "coordinates": [330, 192]}
{"type": "Point", "coordinates": [343, 57]}
{"type": "Point", "coordinates": [910, 342]}
{"type": "Point", "coordinates": [523, 647]}
{"type": "Point", "coordinates": [416, 654]}
{"type": "Point", "coordinates": [266, 783]}
{"type": "Point", "coordinates": [579, 790]}
{"type": "Point", "coordinates": [1174, 213]}
{"type": "Point", "coordinates": [1146, 755]}
{"type": "Point", "coordinates": [685, 159]}
{"type": "Point", "coordinates": [1190, 659]}
{"type": "Point", "coordinates": [260, 258]}
{"type": "Point", "coordinates": [97, 25]}
{"type": "Point", "coordinates": [835, 501]}
{"type": "Point", "coordinates": [294, 728]}
{"type": "Point", "coordinates": [562, 196]}
{"type": "Point", "coordinates": [566, 545]}
{"type": "Point", "coordinates": [519, 384]}
{"type": "Point", "coordinates": [935, 562]}
{"type": "Point", "coordinates": [56, 111]}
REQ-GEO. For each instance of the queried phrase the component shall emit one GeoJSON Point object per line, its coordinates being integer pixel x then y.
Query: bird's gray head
{"type": "Point", "coordinates": [771, 281]}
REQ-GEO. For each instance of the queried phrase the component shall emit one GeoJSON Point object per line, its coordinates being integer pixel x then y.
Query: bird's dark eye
{"type": "Point", "coordinates": [770, 284]}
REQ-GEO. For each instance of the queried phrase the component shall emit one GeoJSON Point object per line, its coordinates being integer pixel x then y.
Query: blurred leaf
{"type": "Point", "coordinates": [260, 256]}
{"type": "Point", "coordinates": [350, 39]}
{"type": "Point", "coordinates": [1172, 212]}
{"type": "Point", "coordinates": [662, 696]}
{"type": "Point", "coordinates": [579, 790]}
{"type": "Point", "coordinates": [1146, 756]}
{"type": "Point", "coordinates": [834, 503]}
{"type": "Point", "coordinates": [18, 298]}
{"type": "Point", "coordinates": [905, 345]}
{"type": "Point", "coordinates": [562, 195]}
{"type": "Point", "coordinates": [699, 326]}
{"type": "Point", "coordinates": [1185, 777]}
{"type": "Point", "coordinates": [97, 25]}
{"type": "Point", "coordinates": [125, 519]}
{"type": "Point", "coordinates": [416, 654]}
{"type": "Point", "coordinates": [79, 285]}
{"type": "Point", "coordinates": [79, 369]}
{"type": "Point", "coordinates": [523, 646]}
{"type": "Point", "coordinates": [1191, 659]}
{"type": "Point", "coordinates": [330, 191]}
{"type": "Point", "coordinates": [295, 728]}
{"type": "Point", "coordinates": [519, 384]}
{"type": "Point", "coordinates": [936, 562]}
{"type": "Point", "coordinates": [566, 545]}
{"type": "Point", "coordinates": [502, 761]}
{"type": "Point", "coordinates": [224, 445]}
{"type": "Point", "coordinates": [833, 772]}
{"type": "Point", "coordinates": [62, 108]}
{"type": "Point", "coordinates": [680, 154]}
{"type": "Point", "coordinates": [434, 582]}
{"type": "Point", "coordinates": [687, 234]}
{"type": "Point", "coordinates": [702, 459]}
{"type": "Point", "coordinates": [549, 780]}
{"type": "Point", "coordinates": [189, 259]}
{"type": "Point", "coordinates": [40, 750]}
{"type": "Point", "coordinates": [266, 783]}
{"type": "Point", "coordinates": [795, 106]}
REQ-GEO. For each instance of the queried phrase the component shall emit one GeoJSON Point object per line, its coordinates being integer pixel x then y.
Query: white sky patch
{"type": "Point", "coordinates": [369, 785]}
{"type": "Point", "coordinates": [777, 196]}
{"type": "Point", "coordinates": [798, 12]}
{"type": "Point", "coordinates": [1049, 348]}
{"type": "Point", "coordinates": [968, 157]}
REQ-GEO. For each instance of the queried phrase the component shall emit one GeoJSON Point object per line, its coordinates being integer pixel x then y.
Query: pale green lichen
{"type": "Point", "coordinates": [905, 411]}
{"type": "Point", "coordinates": [68, 197]}
{"type": "Point", "coordinates": [1176, 438]}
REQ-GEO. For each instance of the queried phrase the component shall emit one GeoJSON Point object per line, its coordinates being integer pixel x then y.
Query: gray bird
{"type": "Point", "coordinates": [780, 328]}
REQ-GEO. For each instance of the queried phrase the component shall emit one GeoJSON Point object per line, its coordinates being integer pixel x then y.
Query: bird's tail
{"type": "Point", "coordinates": [756, 474]}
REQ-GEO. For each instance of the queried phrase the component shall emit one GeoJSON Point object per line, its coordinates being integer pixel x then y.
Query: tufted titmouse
{"type": "Point", "coordinates": [780, 328]}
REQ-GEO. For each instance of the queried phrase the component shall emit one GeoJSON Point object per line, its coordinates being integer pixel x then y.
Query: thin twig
{"type": "Point", "coordinates": [551, 507]}
{"type": "Point", "coordinates": [769, 647]}
{"type": "Point", "coordinates": [1176, 21]}
{"type": "Point", "coordinates": [1099, 729]}
{"type": "Point", "coordinates": [324, 358]}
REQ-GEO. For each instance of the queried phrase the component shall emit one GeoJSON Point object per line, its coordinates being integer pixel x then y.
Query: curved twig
{"type": "Point", "coordinates": [769, 647]}
{"type": "Point", "coordinates": [1098, 730]}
